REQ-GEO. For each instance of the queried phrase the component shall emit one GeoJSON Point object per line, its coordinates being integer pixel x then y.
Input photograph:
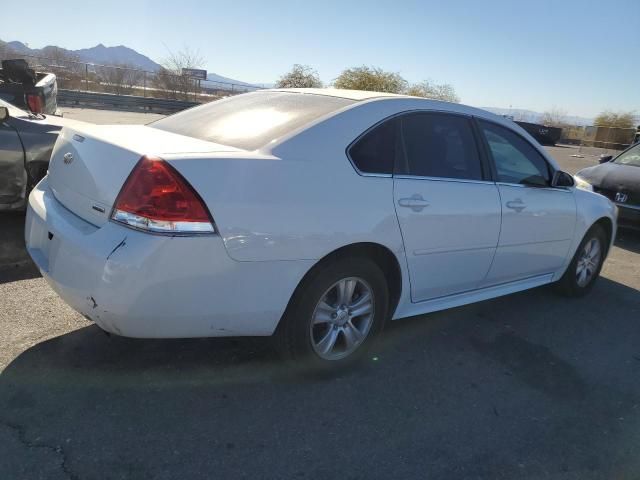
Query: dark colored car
{"type": "Point", "coordinates": [27, 89]}
{"type": "Point", "coordinates": [26, 141]}
{"type": "Point", "coordinates": [545, 135]}
{"type": "Point", "coordinates": [618, 178]}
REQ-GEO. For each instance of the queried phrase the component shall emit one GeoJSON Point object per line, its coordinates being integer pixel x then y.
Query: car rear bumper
{"type": "Point", "coordinates": [137, 284]}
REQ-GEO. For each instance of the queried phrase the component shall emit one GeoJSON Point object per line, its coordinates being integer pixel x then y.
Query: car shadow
{"type": "Point", "coordinates": [510, 379]}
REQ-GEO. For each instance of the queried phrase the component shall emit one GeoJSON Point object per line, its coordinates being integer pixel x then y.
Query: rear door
{"type": "Point", "coordinates": [448, 209]}
{"type": "Point", "coordinates": [538, 221]}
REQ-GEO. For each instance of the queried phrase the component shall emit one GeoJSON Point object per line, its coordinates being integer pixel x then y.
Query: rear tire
{"type": "Point", "coordinates": [585, 267]}
{"type": "Point", "coordinates": [335, 315]}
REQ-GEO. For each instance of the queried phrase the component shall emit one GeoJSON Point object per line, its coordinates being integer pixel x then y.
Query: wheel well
{"type": "Point", "coordinates": [607, 225]}
{"type": "Point", "coordinates": [381, 255]}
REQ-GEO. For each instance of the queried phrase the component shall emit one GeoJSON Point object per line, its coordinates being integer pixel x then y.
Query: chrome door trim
{"type": "Point", "coordinates": [443, 179]}
{"type": "Point", "coordinates": [520, 185]}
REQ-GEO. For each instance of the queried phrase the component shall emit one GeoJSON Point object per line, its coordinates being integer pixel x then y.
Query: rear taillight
{"type": "Point", "coordinates": [157, 198]}
{"type": "Point", "coordinates": [34, 101]}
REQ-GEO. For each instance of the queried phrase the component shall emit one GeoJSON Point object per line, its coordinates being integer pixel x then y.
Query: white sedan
{"type": "Point", "coordinates": [314, 215]}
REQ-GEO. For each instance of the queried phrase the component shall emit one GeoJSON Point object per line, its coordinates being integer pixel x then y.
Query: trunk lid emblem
{"type": "Point", "coordinates": [67, 158]}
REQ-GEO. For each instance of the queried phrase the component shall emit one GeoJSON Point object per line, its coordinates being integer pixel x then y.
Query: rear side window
{"type": "Point", "coordinates": [439, 145]}
{"type": "Point", "coordinates": [515, 159]}
{"type": "Point", "coordinates": [375, 151]}
{"type": "Point", "coordinates": [252, 120]}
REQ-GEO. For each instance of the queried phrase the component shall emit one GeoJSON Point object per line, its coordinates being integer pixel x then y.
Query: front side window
{"type": "Point", "coordinates": [376, 150]}
{"type": "Point", "coordinates": [630, 157]}
{"type": "Point", "coordinates": [439, 145]}
{"type": "Point", "coordinates": [515, 159]}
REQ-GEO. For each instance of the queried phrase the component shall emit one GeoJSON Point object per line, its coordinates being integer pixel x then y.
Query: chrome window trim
{"type": "Point", "coordinates": [443, 179]}
{"type": "Point", "coordinates": [365, 174]}
{"type": "Point", "coordinates": [520, 185]}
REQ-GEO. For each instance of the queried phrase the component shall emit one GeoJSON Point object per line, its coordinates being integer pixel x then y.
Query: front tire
{"type": "Point", "coordinates": [585, 267]}
{"type": "Point", "coordinates": [335, 315]}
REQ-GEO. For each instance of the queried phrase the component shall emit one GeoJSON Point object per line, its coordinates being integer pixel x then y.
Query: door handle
{"type": "Point", "coordinates": [517, 205]}
{"type": "Point", "coordinates": [415, 202]}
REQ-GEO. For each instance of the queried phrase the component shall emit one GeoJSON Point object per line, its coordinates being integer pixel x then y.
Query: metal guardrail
{"type": "Point", "coordinates": [133, 103]}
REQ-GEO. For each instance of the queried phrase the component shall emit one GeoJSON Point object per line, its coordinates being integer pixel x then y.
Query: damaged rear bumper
{"type": "Point", "coordinates": [136, 284]}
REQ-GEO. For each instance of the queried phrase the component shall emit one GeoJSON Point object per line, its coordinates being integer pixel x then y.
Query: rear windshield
{"type": "Point", "coordinates": [252, 120]}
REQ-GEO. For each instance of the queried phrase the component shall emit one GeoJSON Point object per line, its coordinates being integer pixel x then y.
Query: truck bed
{"type": "Point", "coordinates": [38, 95]}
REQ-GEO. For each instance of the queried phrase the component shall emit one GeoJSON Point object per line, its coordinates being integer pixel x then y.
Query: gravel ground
{"type": "Point", "coordinates": [531, 385]}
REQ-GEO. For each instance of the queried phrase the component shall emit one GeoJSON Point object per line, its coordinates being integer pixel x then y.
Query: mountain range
{"type": "Point", "coordinates": [102, 55]}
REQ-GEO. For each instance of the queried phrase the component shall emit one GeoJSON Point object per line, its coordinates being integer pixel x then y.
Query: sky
{"type": "Point", "coordinates": [577, 56]}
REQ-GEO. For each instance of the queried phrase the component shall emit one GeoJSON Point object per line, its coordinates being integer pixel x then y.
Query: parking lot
{"type": "Point", "coordinates": [532, 385]}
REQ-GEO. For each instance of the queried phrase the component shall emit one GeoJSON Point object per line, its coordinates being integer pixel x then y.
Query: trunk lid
{"type": "Point", "coordinates": [90, 163]}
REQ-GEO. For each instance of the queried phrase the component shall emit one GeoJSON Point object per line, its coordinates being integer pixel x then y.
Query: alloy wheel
{"type": "Point", "coordinates": [342, 318]}
{"type": "Point", "coordinates": [588, 262]}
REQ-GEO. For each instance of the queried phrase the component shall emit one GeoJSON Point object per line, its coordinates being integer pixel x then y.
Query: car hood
{"type": "Point", "coordinates": [613, 176]}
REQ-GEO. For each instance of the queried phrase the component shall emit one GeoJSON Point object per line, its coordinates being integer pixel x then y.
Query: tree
{"type": "Point", "coordinates": [60, 57]}
{"type": "Point", "coordinates": [435, 91]}
{"type": "Point", "coordinates": [170, 79]}
{"type": "Point", "coordinates": [616, 119]}
{"type": "Point", "coordinates": [66, 66]}
{"type": "Point", "coordinates": [370, 78]}
{"type": "Point", "coordinates": [120, 79]}
{"type": "Point", "coordinates": [556, 117]}
{"type": "Point", "coordinates": [300, 76]}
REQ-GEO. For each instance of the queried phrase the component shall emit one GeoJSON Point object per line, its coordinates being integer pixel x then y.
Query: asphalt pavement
{"type": "Point", "coordinates": [532, 385]}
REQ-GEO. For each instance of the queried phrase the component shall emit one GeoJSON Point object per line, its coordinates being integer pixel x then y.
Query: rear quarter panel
{"type": "Point", "coordinates": [301, 199]}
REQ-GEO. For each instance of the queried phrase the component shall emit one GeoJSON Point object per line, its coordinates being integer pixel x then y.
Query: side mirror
{"type": "Point", "coordinates": [605, 158]}
{"type": "Point", "coordinates": [562, 179]}
{"type": "Point", "coordinates": [4, 113]}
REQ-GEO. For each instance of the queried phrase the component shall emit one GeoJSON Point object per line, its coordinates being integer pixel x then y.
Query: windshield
{"type": "Point", "coordinates": [13, 111]}
{"type": "Point", "coordinates": [252, 120]}
{"type": "Point", "coordinates": [630, 157]}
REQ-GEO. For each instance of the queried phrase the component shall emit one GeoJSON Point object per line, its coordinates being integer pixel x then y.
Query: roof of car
{"type": "Point", "coordinates": [362, 96]}
{"type": "Point", "coordinates": [338, 92]}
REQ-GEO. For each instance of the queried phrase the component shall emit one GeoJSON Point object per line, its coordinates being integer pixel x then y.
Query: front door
{"type": "Point", "coordinates": [538, 221]}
